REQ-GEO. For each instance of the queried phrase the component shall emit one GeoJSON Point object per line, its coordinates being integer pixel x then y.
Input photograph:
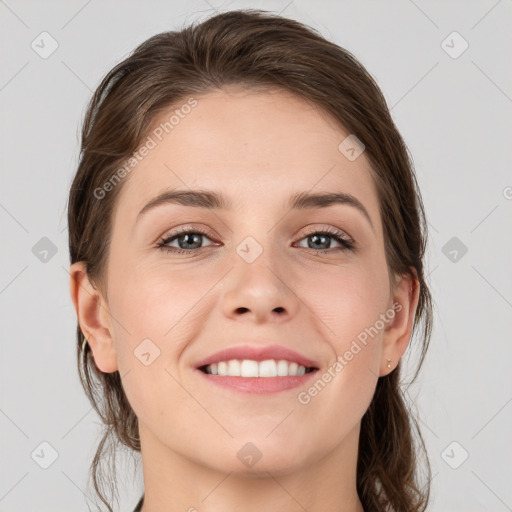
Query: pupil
{"type": "Point", "coordinates": [315, 238]}
{"type": "Point", "coordinates": [192, 235]}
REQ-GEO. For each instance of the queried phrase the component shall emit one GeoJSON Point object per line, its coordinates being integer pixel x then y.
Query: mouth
{"type": "Point", "coordinates": [248, 368]}
{"type": "Point", "coordinates": [257, 369]}
{"type": "Point", "coordinates": [256, 385]}
{"type": "Point", "coordinates": [256, 377]}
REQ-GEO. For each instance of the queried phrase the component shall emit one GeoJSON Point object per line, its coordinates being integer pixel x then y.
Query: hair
{"type": "Point", "coordinates": [257, 49]}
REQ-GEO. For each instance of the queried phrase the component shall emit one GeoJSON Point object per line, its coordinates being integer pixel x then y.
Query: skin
{"type": "Point", "coordinates": [257, 148]}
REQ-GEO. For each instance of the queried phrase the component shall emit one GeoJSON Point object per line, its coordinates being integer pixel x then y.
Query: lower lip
{"type": "Point", "coordinates": [258, 385]}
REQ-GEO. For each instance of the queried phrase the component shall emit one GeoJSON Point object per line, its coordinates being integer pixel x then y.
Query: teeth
{"type": "Point", "coordinates": [250, 368]}
{"type": "Point", "coordinates": [267, 369]}
{"type": "Point", "coordinates": [282, 368]}
{"type": "Point", "coordinates": [222, 368]}
{"type": "Point", "coordinates": [233, 368]}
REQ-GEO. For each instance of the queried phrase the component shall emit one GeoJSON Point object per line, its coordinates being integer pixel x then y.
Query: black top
{"type": "Point", "coordinates": [139, 505]}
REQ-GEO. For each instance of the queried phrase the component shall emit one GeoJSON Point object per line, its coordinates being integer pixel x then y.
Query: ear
{"type": "Point", "coordinates": [94, 318]}
{"type": "Point", "coordinates": [398, 332]}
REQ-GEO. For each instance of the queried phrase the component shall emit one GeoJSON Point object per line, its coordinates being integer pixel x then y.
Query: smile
{"type": "Point", "coordinates": [250, 368]}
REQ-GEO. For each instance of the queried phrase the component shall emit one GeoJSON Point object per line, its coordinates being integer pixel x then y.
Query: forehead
{"type": "Point", "coordinates": [250, 145]}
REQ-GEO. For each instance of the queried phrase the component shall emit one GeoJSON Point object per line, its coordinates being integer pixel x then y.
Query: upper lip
{"type": "Point", "coordinates": [258, 353]}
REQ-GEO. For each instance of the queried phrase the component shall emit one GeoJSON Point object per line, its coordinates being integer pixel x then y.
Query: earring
{"type": "Point", "coordinates": [389, 361]}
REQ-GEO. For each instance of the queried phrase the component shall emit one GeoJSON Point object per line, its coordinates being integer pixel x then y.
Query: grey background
{"type": "Point", "coordinates": [454, 114]}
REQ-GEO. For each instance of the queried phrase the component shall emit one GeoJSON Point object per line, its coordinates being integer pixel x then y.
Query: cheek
{"type": "Point", "coordinates": [346, 300]}
{"type": "Point", "coordinates": [156, 310]}
{"type": "Point", "coordinates": [347, 305]}
{"type": "Point", "coordinates": [153, 299]}
{"type": "Point", "coordinates": [156, 314]}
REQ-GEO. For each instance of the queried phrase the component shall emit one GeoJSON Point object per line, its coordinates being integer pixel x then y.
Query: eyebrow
{"type": "Point", "coordinates": [215, 200]}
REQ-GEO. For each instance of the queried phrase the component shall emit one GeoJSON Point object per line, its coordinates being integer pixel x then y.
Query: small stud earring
{"type": "Point", "coordinates": [389, 361]}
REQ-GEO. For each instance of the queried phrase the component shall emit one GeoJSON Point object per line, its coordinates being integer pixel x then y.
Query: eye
{"type": "Point", "coordinates": [321, 240]}
{"type": "Point", "coordinates": [188, 241]}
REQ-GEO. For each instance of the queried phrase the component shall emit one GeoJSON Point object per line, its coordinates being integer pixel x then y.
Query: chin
{"type": "Point", "coordinates": [257, 460]}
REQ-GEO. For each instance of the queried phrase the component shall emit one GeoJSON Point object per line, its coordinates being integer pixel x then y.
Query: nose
{"type": "Point", "coordinates": [260, 293]}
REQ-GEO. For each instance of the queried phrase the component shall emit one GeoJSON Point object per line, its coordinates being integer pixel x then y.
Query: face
{"type": "Point", "coordinates": [256, 272]}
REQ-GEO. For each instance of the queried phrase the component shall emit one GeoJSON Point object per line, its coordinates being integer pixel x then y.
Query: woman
{"type": "Point", "coordinates": [246, 242]}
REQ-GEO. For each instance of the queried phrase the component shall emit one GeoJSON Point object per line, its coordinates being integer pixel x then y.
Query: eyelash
{"type": "Point", "coordinates": [346, 244]}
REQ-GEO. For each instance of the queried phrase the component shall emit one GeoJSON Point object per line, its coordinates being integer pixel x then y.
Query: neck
{"type": "Point", "coordinates": [174, 482]}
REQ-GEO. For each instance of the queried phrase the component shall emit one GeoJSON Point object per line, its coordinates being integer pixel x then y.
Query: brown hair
{"type": "Point", "coordinates": [254, 48]}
